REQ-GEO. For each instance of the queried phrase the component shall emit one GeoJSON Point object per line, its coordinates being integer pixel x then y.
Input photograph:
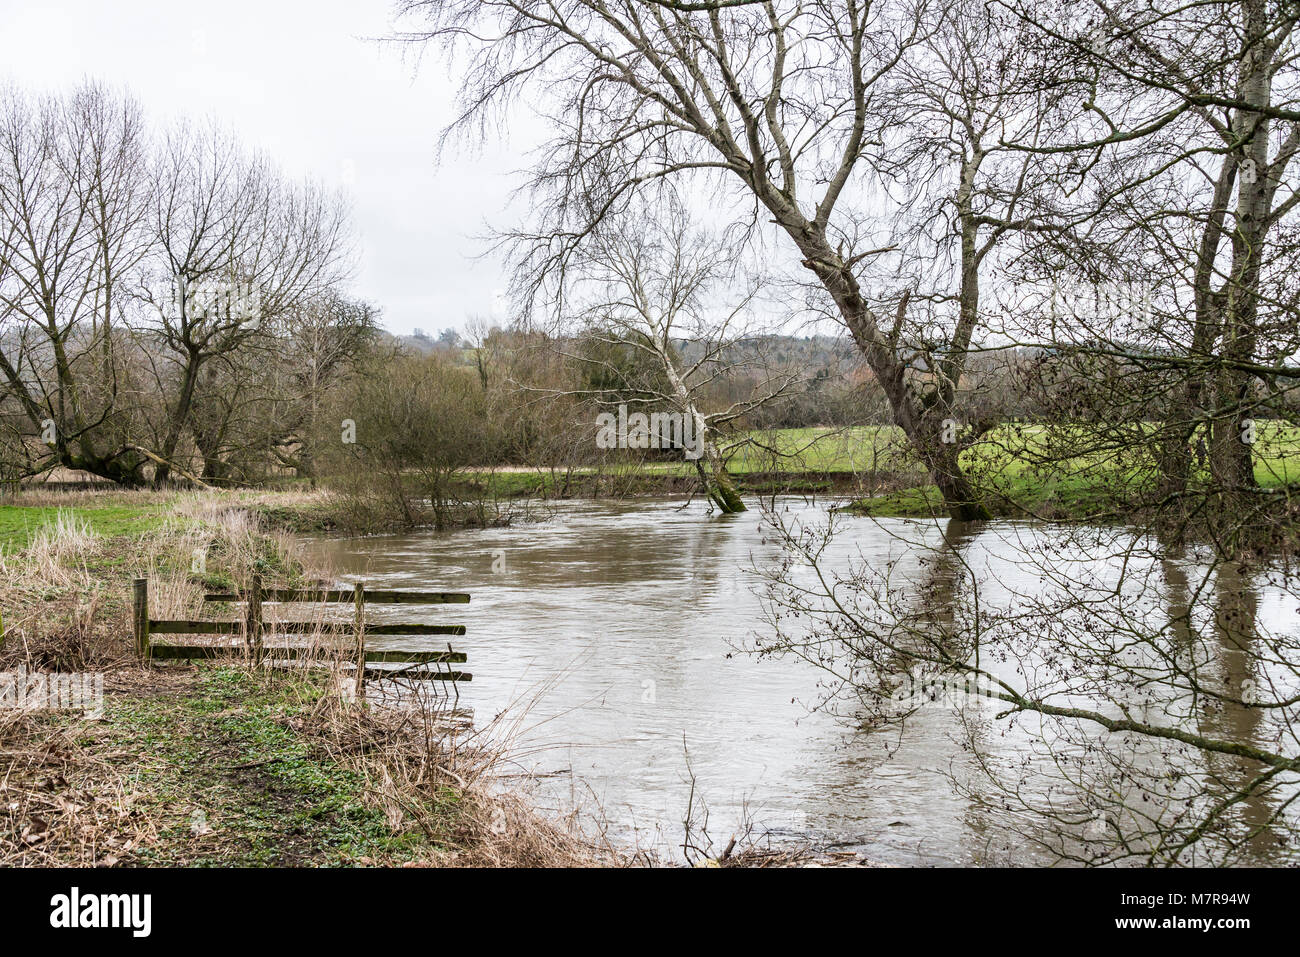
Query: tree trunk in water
{"type": "Point", "coordinates": [1232, 435]}
{"type": "Point", "coordinates": [1174, 455]}
{"type": "Point", "coordinates": [959, 496]}
{"type": "Point", "coordinates": [718, 485]}
{"type": "Point", "coordinates": [1174, 458]}
{"type": "Point", "coordinates": [921, 424]}
{"type": "Point", "coordinates": [1232, 463]}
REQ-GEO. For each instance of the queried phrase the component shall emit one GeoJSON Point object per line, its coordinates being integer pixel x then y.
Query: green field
{"type": "Point", "coordinates": [1025, 466]}
{"type": "Point", "coordinates": [1008, 451]}
{"type": "Point", "coordinates": [18, 523]}
{"type": "Point", "coordinates": [1028, 465]}
{"type": "Point", "coordinates": [1032, 468]}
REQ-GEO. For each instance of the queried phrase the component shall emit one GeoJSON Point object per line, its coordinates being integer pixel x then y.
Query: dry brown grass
{"type": "Point", "coordinates": [423, 764]}
{"type": "Point", "coordinates": [66, 596]}
{"type": "Point", "coordinates": [69, 794]}
{"type": "Point", "coordinates": [66, 797]}
{"type": "Point", "coordinates": [40, 497]}
{"type": "Point", "coordinates": [46, 818]}
{"type": "Point", "coordinates": [57, 612]}
{"type": "Point", "coordinates": [37, 496]}
{"type": "Point", "coordinates": [64, 801]}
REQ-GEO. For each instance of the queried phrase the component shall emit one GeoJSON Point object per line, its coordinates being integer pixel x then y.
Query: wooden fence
{"type": "Point", "coordinates": [424, 665]}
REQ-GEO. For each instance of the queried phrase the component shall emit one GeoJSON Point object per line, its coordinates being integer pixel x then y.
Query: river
{"type": "Point", "coordinates": [612, 635]}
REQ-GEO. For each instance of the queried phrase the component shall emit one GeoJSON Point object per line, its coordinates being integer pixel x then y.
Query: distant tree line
{"type": "Point", "coordinates": [171, 306]}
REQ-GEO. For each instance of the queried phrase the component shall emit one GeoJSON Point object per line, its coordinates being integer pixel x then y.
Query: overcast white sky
{"type": "Point", "coordinates": [305, 81]}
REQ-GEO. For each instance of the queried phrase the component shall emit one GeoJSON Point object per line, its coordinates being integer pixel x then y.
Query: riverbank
{"type": "Point", "coordinates": [224, 766]}
{"type": "Point", "coordinates": [1102, 495]}
{"type": "Point", "coordinates": [218, 765]}
{"type": "Point", "coordinates": [1020, 470]}
{"type": "Point", "coordinates": [647, 480]}
{"type": "Point", "coordinates": [1017, 469]}
{"type": "Point", "coordinates": [286, 770]}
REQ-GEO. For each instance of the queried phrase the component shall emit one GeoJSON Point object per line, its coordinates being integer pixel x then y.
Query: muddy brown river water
{"type": "Point", "coordinates": [612, 631]}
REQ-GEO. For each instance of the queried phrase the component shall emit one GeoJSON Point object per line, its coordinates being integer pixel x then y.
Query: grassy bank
{"type": "Point", "coordinates": [219, 765]}
{"type": "Point", "coordinates": [1021, 470]}
{"type": "Point", "coordinates": [220, 774]}
{"type": "Point", "coordinates": [139, 514]}
{"type": "Point", "coordinates": [224, 766]}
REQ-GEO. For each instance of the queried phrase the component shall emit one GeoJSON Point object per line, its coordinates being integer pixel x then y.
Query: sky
{"type": "Point", "coordinates": [308, 82]}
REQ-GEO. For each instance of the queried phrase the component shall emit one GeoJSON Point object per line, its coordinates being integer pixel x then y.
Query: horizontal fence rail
{"type": "Point", "coordinates": [291, 653]}
{"type": "Point", "coordinates": [163, 627]}
{"type": "Point", "coordinates": [417, 674]}
{"type": "Point", "coordinates": [254, 628]}
{"type": "Point", "coordinates": [333, 596]}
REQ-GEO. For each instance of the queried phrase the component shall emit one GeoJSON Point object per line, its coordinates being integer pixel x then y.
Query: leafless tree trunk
{"type": "Point", "coordinates": [237, 248]}
{"type": "Point", "coordinates": [781, 100]}
{"type": "Point", "coordinates": [654, 284]}
{"type": "Point", "coordinates": [69, 234]}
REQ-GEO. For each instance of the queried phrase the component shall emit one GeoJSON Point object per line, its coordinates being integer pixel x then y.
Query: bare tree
{"type": "Point", "coordinates": [316, 346]}
{"type": "Point", "coordinates": [70, 235]}
{"type": "Point", "coordinates": [967, 188]}
{"type": "Point", "coordinates": [656, 285]}
{"type": "Point", "coordinates": [780, 102]}
{"type": "Point", "coordinates": [236, 249]}
{"type": "Point", "coordinates": [1185, 185]}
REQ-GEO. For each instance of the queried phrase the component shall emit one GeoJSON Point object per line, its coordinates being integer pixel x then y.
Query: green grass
{"type": "Point", "coordinates": [1014, 465]}
{"type": "Point", "coordinates": [1027, 470]}
{"type": "Point", "coordinates": [229, 750]}
{"type": "Point", "coordinates": [858, 449]}
{"type": "Point", "coordinates": [19, 523]}
{"type": "Point", "coordinates": [801, 456]}
{"type": "Point", "coordinates": [1073, 496]}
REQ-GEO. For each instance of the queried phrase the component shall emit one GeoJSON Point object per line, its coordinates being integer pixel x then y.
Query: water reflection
{"type": "Point", "coordinates": [618, 628]}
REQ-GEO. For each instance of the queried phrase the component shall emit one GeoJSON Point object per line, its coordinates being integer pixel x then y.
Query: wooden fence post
{"type": "Point", "coordinates": [253, 622]}
{"type": "Point", "coordinates": [359, 600]}
{"type": "Point", "coordinates": [140, 610]}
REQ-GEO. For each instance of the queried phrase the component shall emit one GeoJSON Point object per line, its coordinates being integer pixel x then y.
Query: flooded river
{"type": "Point", "coordinates": [613, 632]}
